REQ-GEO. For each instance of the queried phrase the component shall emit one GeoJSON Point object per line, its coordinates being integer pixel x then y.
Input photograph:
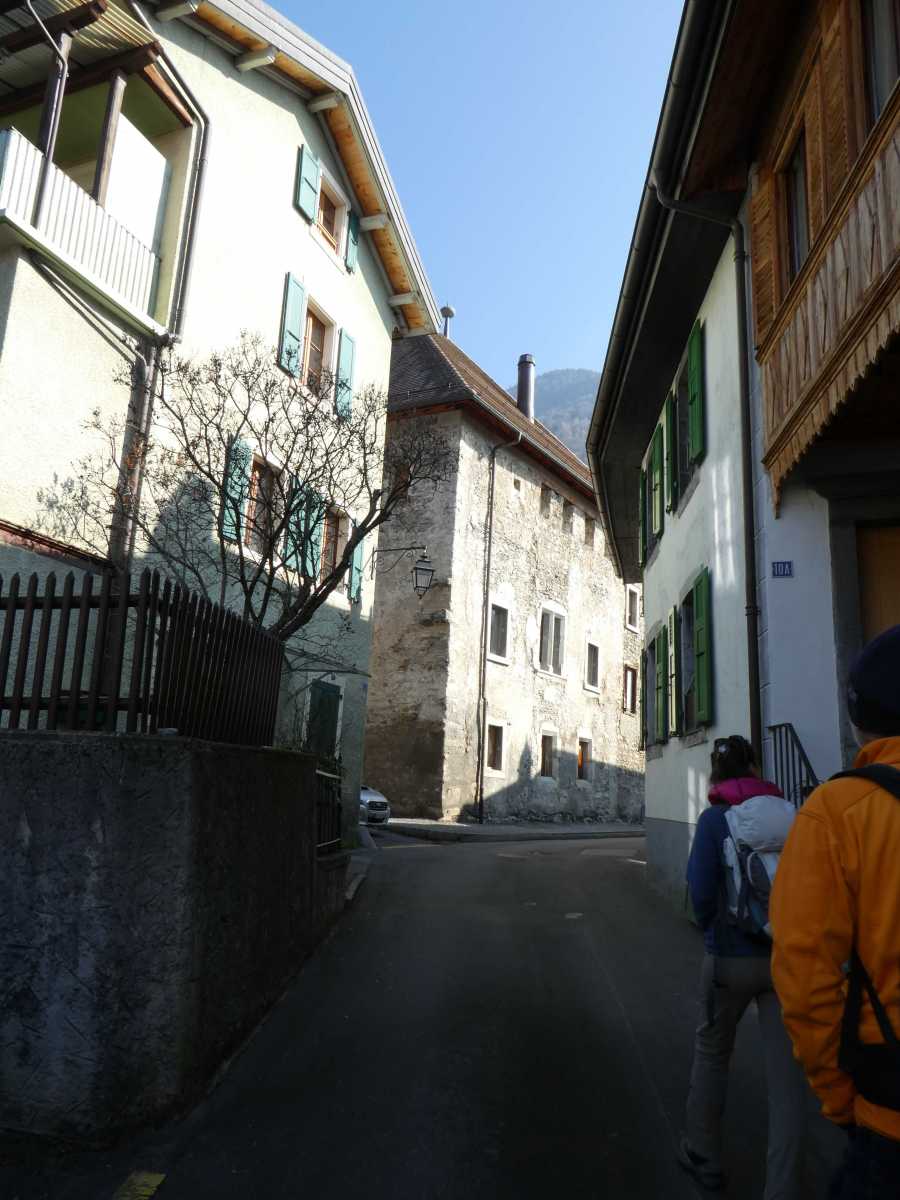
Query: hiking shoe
{"type": "Point", "coordinates": [701, 1168]}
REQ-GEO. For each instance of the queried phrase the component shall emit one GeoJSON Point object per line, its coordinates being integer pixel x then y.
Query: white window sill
{"type": "Point", "coordinates": [499, 659]}
{"type": "Point", "coordinates": [490, 773]}
{"type": "Point", "coordinates": [592, 687]}
{"type": "Point", "coordinates": [632, 628]}
{"type": "Point", "coordinates": [550, 674]}
{"type": "Point", "coordinates": [323, 243]}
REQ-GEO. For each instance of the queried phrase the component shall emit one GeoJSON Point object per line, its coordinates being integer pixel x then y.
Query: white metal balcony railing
{"type": "Point", "coordinates": [74, 225]}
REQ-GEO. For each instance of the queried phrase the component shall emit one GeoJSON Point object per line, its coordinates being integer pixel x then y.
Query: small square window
{"type": "Point", "coordinates": [517, 484]}
{"type": "Point", "coordinates": [499, 630]}
{"type": "Point", "coordinates": [584, 758]}
{"type": "Point", "coordinates": [629, 690]}
{"type": "Point", "coordinates": [589, 532]}
{"type": "Point", "coordinates": [632, 607]}
{"type": "Point", "coordinates": [592, 673]}
{"type": "Point", "coordinates": [495, 747]}
{"type": "Point", "coordinates": [547, 747]}
{"type": "Point", "coordinates": [551, 646]}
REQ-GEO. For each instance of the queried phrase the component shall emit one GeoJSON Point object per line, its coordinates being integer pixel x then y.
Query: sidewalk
{"type": "Point", "coordinates": [510, 831]}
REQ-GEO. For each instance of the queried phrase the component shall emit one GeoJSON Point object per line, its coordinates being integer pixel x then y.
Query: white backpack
{"type": "Point", "coordinates": [757, 831]}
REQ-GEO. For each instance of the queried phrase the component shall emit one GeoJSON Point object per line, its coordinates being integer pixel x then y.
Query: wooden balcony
{"type": "Point", "coordinates": [77, 234]}
{"type": "Point", "coordinates": [839, 312]}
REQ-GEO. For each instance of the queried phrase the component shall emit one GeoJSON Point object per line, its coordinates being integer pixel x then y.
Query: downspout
{"type": "Point", "coordinates": [485, 602]}
{"type": "Point", "coordinates": [52, 118]}
{"type": "Point", "coordinates": [751, 604]}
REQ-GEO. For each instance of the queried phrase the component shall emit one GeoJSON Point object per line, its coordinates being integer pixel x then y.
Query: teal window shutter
{"type": "Point", "coordinates": [356, 569]}
{"type": "Point", "coordinates": [290, 345]}
{"type": "Point", "coordinates": [236, 489]}
{"type": "Point", "coordinates": [674, 671]}
{"type": "Point", "coordinates": [656, 481]}
{"type": "Point", "coordinates": [703, 648]}
{"type": "Point", "coordinates": [671, 453]}
{"type": "Point", "coordinates": [696, 419]}
{"type": "Point", "coordinates": [343, 397]}
{"type": "Point", "coordinates": [293, 530]}
{"type": "Point", "coordinates": [352, 256]}
{"type": "Point", "coordinates": [661, 665]}
{"type": "Point", "coordinates": [314, 522]}
{"type": "Point", "coordinates": [642, 520]}
{"type": "Point", "coordinates": [309, 175]}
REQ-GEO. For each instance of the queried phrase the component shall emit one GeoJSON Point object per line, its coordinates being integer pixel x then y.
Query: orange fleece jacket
{"type": "Point", "coordinates": [839, 880]}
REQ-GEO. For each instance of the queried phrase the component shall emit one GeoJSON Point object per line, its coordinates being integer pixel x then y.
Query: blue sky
{"type": "Point", "coordinates": [518, 134]}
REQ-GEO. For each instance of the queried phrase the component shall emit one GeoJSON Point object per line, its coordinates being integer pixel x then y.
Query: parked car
{"type": "Point", "coordinates": [373, 807]}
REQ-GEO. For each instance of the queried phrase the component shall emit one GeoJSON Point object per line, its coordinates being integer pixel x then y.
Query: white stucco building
{"type": "Point", "coordinates": [510, 688]}
{"type": "Point", "coordinates": [215, 170]}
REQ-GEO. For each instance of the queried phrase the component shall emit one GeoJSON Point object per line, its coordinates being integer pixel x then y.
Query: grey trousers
{"type": "Point", "coordinates": [727, 985]}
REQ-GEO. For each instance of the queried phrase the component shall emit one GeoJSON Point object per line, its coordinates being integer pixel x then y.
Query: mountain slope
{"type": "Point", "coordinates": [564, 401]}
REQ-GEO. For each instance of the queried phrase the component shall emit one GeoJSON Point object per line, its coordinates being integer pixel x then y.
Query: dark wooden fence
{"type": "Point", "coordinates": [111, 659]}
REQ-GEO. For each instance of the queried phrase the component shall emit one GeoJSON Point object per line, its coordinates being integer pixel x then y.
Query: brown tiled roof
{"type": "Point", "coordinates": [430, 371]}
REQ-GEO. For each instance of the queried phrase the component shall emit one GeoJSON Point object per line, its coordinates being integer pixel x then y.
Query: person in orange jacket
{"type": "Point", "coordinates": [835, 915]}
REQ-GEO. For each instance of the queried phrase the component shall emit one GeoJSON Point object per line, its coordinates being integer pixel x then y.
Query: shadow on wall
{"type": "Point", "coordinates": [587, 791]}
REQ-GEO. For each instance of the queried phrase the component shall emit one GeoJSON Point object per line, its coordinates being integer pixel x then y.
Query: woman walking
{"type": "Point", "coordinates": [736, 970]}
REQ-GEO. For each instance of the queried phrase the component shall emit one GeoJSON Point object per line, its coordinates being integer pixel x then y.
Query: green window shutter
{"type": "Point", "coordinates": [356, 570]}
{"type": "Point", "coordinates": [656, 481]}
{"type": "Point", "coordinates": [309, 173]}
{"type": "Point", "coordinates": [343, 394]}
{"type": "Point", "coordinates": [703, 648]}
{"type": "Point", "coordinates": [293, 531]}
{"type": "Point", "coordinates": [643, 701]}
{"type": "Point", "coordinates": [661, 666]}
{"type": "Point", "coordinates": [290, 345]}
{"type": "Point", "coordinates": [671, 453]}
{"type": "Point", "coordinates": [236, 489]}
{"type": "Point", "coordinates": [674, 671]}
{"type": "Point", "coordinates": [352, 256]}
{"type": "Point", "coordinates": [696, 419]}
{"type": "Point", "coordinates": [314, 522]}
{"type": "Point", "coordinates": [642, 521]}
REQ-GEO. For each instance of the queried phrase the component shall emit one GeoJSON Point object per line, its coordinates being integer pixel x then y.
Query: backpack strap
{"type": "Point", "coordinates": [887, 778]}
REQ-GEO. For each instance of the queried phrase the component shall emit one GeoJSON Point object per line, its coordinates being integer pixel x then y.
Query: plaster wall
{"type": "Point", "coordinates": [705, 531]}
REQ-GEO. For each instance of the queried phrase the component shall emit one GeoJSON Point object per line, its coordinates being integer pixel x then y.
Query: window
{"type": "Point", "coordinates": [313, 351]}
{"type": "Point", "coordinates": [263, 507]}
{"type": "Point", "coordinates": [797, 215]}
{"type": "Point", "coordinates": [692, 659]}
{"type": "Point", "coordinates": [331, 530]}
{"type": "Point", "coordinates": [629, 690]}
{"type": "Point", "coordinates": [632, 607]}
{"type": "Point", "coordinates": [584, 758]}
{"type": "Point", "coordinates": [551, 647]}
{"type": "Point", "coordinates": [592, 667]}
{"type": "Point", "coordinates": [322, 718]}
{"type": "Point", "coordinates": [547, 748]}
{"type": "Point", "coordinates": [495, 747]}
{"type": "Point", "coordinates": [589, 532]}
{"type": "Point", "coordinates": [327, 219]}
{"type": "Point", "coordinates": [546, 496]}
{"type": "Point", "coordinates": [656, 482]}
{"type": "Point", "coordinates": [499, 630]}
{"type": "Point", "coordinates": [653, 689]}
{"type": "Point", "coordinates": [517, 484]}
{"type": "Point", "coordinates": [881, 29]}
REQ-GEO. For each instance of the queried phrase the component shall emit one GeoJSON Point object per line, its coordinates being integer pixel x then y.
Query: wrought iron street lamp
{"type": "Point", "coordinates": [422, 572]}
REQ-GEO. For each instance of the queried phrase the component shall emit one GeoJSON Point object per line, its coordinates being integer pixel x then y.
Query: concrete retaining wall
{"type": "Point", "coordinates": [157, 895]}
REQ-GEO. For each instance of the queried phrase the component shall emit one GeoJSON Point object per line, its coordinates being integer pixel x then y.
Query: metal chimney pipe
{"type": "Point", "coordinates": [525, 391]}
{"type": "Point", "coordinates": [447, 312]}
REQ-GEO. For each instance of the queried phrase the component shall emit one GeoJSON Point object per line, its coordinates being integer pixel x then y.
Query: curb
{"type": "Point", "coordinates": [360, 861]}
{"type": "Point", "coordinates": [461, 834]}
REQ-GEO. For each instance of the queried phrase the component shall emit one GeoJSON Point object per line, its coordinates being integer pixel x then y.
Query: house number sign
{"type": "Point", "coordinates": [783, 570]}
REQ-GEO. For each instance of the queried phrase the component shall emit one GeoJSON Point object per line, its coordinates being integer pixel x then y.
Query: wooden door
{"type": "Point", "coordinates": [878, 551]}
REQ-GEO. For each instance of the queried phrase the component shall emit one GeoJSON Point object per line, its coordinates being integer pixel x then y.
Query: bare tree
{"type": "Point", "coordinates": [256, 490]}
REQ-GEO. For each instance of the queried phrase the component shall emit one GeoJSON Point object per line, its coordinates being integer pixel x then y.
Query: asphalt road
{"type": "Point", "coordinates": [485, 1021]}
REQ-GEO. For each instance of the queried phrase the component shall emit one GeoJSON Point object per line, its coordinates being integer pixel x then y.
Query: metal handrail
{"type": "Point", "coordinates": [794, 773]}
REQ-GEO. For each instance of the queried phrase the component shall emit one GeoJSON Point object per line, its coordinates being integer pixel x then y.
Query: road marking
{"type": "Point", "coordinates": [139, 1186]}
{"type": "Point", "coordinates": [412, 846]}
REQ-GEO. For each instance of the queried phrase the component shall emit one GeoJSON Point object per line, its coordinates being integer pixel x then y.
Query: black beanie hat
{"type": "Point", "coordinates": [873, 691]}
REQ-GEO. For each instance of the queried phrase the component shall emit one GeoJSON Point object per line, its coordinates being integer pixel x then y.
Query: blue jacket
{"type": "Point", "coordinates": [706, 881]}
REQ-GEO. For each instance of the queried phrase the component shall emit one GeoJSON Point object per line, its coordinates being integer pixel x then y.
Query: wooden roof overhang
{"type": "Point", "coordinates": [309, 69]}
{"type": "Point", "coordinates": [105, 38]}
{"type": "Point", "coordinates": [716, 101]}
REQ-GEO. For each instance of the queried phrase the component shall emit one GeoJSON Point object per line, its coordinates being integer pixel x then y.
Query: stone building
{"type": "Point", "coordinates": [510, 688]}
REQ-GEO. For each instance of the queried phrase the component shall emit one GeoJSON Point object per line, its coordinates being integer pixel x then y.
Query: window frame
{"type": "Point", "coordinates": [589, 645]}
{"type": "Point", "coordinates": [334, 246]}
{"type": "Point", "coordinates": [797, 253]}
{"type": "Point", "coordinates": [556, 614]}
{"type": "Point", "coordinates": [632, 590]}
{"type": "Point", "coordinates": [869, 36]}
{"type": "Point", "coordinates": [494, 655]}
{"type": "Point", "coordinates": [553, 736]}
{"type": "Point", "coordinates": [629, 674]}
{"type": "Point", "coordinates": [584, 763]}
{"type": "Point", "coordinates": [489, 768]}
{"type": "Point", "coordinates": [313, 313]}
{"type": "Point", "coordinates": [250, 532]}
